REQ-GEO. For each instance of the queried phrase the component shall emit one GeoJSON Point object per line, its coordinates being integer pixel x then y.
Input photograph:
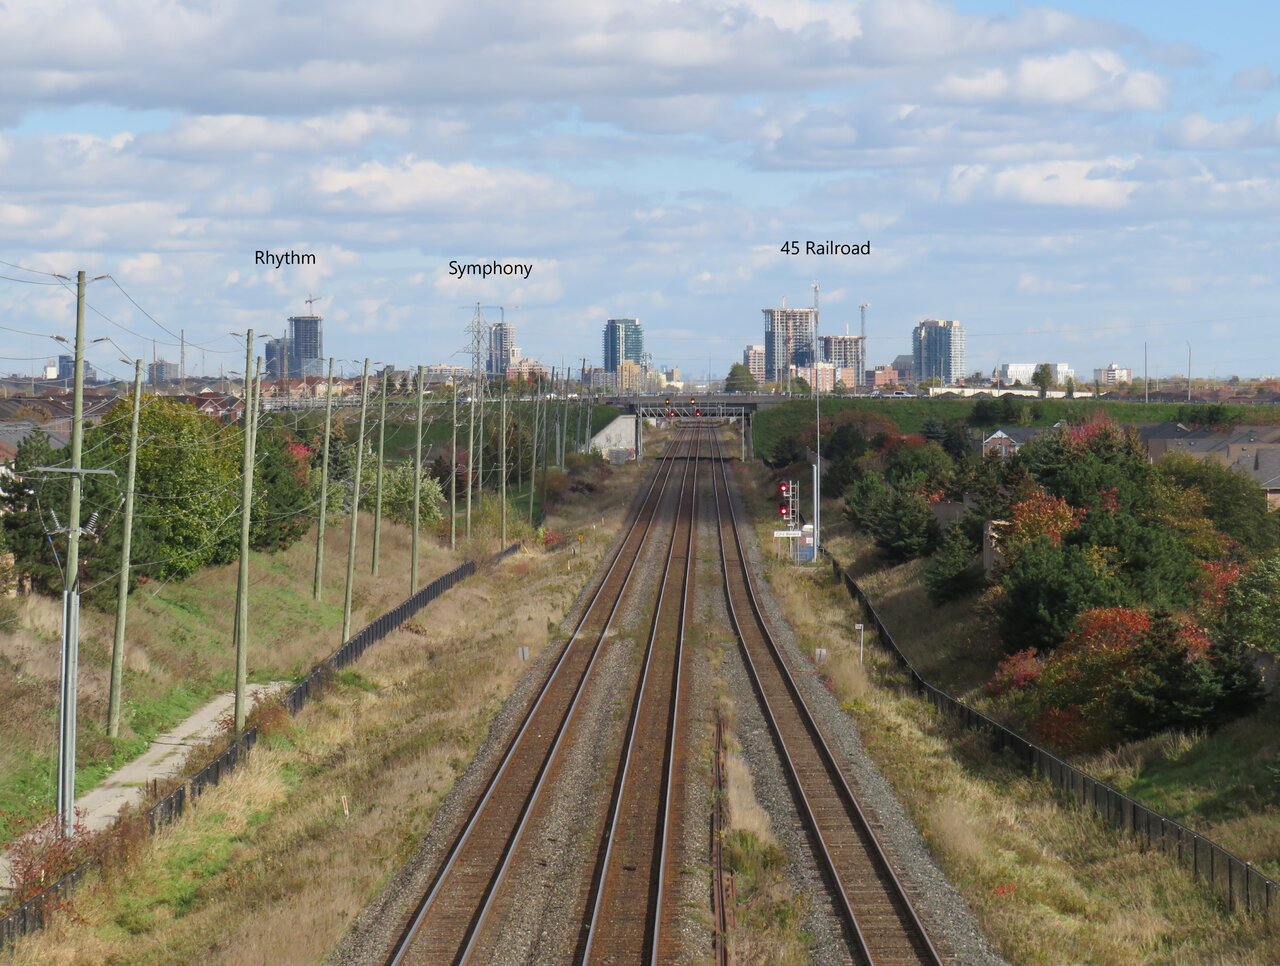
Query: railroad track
{"type": "Point", "coordinates": [633, 916]}
{"type": "Point", "coordinates": [447, 922]}
{"type": "Point", "coordinates": [881, 924]}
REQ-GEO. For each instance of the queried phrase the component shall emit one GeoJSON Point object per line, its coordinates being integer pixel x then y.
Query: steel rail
{"type": "Point", "coordinates": [630, 548]}
{"type": "Point", "coordinates": [609, 880]}
{"type": "Point", "coordinates": [535, 796]}
{"type": "Point", "coordinates": [913, 932]}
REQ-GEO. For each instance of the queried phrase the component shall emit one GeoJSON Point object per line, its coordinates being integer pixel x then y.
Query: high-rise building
{"type": "Point", "coordinates": [938, 351]}
{"type": "Point", "coordinates": [788, 340]}
{"type": "Point", "coordinates": [844, 352]}
{"type": "Point", "coordinates": [1113, 375]}
{"type": "Point", "coordinates": [753, 359]}
{"type": "Point", "coordinates": [503, 350]}
{"type": "Point", "coordinates": [67, 370]}
{"type": "Point", "coordinates": [623, 341]}
{"type": "Point", "coordinates": [160, 372]}
{"type": "Point", "coordinates": [275, 351]}
{"type": "Point", "coordinates": [306, 345]}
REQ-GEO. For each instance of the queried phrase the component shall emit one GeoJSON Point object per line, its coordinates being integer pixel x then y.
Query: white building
{"type": "Point", "coordinates": [1015, 372]}
{"type": "Point", "coordinates": [1112, 375]}
{"type": "Point", "coordinates": [753, 359]}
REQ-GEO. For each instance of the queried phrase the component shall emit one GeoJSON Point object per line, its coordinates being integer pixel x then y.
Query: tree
{"type": "Point", "coordinates": [905, 527]}
{"type": "Point", "coordinates": [865, 500]}
{"type": "Point", "coordinates": [800, 386]}
{"type": "Point", "coordinates": [1252, 612]}
{"type": "Point", "coordinates": [1125, 673]}
{"type": "Point", "coordinates": [281, 490]}
{"type": "Point", "coordinates": [955, 569]}
{"type": "Point", "coordinates": [1071, 388]}
{"type": "Point", "coordinates": [924, 468]}
{"type": "Point", "coordinates": [1043, 379]}
{"type": "Point", "coordinates": [740, 379]}
{"type": "Point", "coordinates": [1045, 588]}
{"type": "Point", "coordinates": [397, 496]}
{"type": "Point", "coordinates": [1235, 503]}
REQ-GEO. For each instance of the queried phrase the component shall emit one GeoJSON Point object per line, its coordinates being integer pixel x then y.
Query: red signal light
{"type": "Point", "coordinates": [782, 488]}
{"type": "Point", "coordinates": [672, 413]}
{"type": "Point", "coordinates": [697, 412]}
{"type": "Point", "coordinates": [784, 509]}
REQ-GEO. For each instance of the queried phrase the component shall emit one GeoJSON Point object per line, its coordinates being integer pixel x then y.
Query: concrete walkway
{"type": "Point", "coordinates": [99, 806]}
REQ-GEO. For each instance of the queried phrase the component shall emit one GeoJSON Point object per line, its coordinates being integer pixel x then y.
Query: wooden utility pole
{"type": "Point", "coordinates": [355, 506]}
{"type": "Point", "coordinates": [246, 510]}
{"type": "Point", "coordinates": [377, 499]}
{"type": "Point", "coordinates": [453, 477]}
{"type": "Point", "coordinates": [582, 388]}
{"type": "Point", "coordinates": [502, 470]}
{"type": "Point", "coordinates": [324, 485]}
{"type": "Point", "coordinates": [533, 449]}
{"type": "Point", "coordinates": [546, 437]}
{"type": "Point", "coordinates": [122, 594]}
{"type": "Point", "coordinates": [471, 452]}
{"type": "Point", "coordinates": [417, 489]}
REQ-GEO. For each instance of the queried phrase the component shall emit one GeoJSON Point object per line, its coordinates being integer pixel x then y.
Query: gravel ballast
{"type": "Point", "coordinates": [951, 923]}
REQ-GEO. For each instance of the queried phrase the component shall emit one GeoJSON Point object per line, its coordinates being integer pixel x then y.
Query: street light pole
{"type": "Point", "coordinates": [71, 596]}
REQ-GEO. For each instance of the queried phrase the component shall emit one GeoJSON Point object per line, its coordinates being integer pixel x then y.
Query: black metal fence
{"type": "Point", "coordinates": [1235, 880]}
{"type": "Point", "coordinates": [31, 915]}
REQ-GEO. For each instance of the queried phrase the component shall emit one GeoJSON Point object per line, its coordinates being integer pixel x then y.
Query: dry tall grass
{"type": "Point", "coordinates": [296, 843]}
{"type": "Point", "coordinates": [1050, 883]}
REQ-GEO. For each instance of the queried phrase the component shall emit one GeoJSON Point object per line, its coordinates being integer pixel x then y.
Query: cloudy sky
{"type": "Point", "coordinates": [1069, 181]}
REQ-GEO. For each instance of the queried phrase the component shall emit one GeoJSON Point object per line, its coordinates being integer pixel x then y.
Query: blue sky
{"type": "Point", "coordinates": [1070, 181]}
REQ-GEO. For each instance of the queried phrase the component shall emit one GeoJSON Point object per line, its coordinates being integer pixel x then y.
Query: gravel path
{"type": "Point", "coordinates": [951, 923]}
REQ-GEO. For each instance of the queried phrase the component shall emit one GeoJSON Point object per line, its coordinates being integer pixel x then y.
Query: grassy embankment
{"type": "Point", "coordinates": [179, 652]}
{"type": "Point", "coordinates": [333, 801]}
{"type": "Point", "coordinates": [776, 422]}
{"type": "Point", "coordinates": [1050, 883]}
{"type": "Point", "coordinates": [438, 423]}
{"type": "Point", "coordinates": [1225, 783]}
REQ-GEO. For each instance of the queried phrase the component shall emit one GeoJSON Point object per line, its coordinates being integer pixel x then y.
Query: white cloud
{"type": "Point", "coordinates": [1095, 79]}
{"type": "Point", "coordinates": [237, 133]}
{"type": "Point", "coordinates": [1087, 184]}
{"type": "Point", "coordinates": [414, 183]}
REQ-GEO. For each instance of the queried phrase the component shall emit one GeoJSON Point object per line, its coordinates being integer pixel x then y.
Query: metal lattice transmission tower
{"type": "Point", "coordinates": [479, 331]}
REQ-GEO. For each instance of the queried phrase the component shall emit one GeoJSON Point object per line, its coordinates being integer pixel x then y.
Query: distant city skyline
{"type": "Point", "coordinates": [1073, 181]}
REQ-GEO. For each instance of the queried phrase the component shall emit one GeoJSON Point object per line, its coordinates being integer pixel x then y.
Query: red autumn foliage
{"type": "Point", "coordinates": [1016, 671]}
{"type": "Point", "coordinates": [1082, 435]}
{"type": "Point", "coordinates": [1110, 498]}
{"type": "Point", "coordinates": [1113, 629]}
{"type": "Point", "coordinates": [1217, 577]}
{"type": "Point", "coordinates": [1195, 639]}
{"type": "Point", "coordinates": [42, 855]}
{"type": "Point", "coordinates": [1043, 515]}
{"type": "Point", "coordinates": [1060, 728]}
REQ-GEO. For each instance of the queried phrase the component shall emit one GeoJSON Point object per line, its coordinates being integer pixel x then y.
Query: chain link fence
{"type": "Point", "coordinates": [1239, 884]}
{"type": "Point", "coordinates": [32, 914]}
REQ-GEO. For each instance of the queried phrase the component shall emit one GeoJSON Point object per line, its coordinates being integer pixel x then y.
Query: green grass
{"type": "Point", "coordinates": [775, 423]}
{"type": "Point", "coordinates": [437, 424]}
